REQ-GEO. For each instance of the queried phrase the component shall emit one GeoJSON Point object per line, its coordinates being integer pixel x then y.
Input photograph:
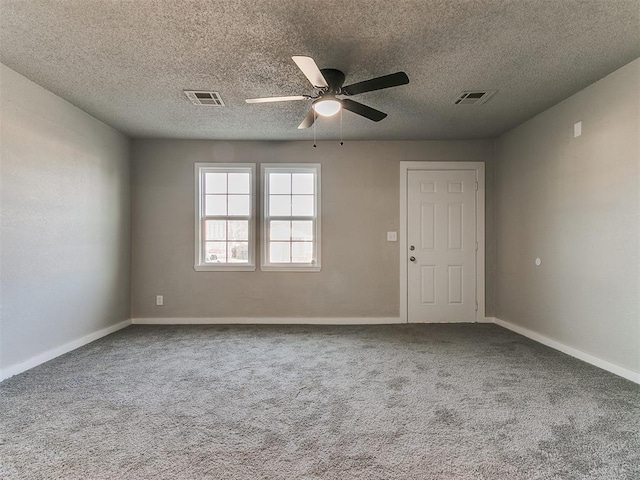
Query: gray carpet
{"type": "Point", "coordinates": [303, 402]}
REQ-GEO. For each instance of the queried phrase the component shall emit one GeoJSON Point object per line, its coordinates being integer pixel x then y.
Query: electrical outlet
{"type": "Point", "coordinates": [392, 236]}
{"type": "Point", "coordinates": [159, 300]}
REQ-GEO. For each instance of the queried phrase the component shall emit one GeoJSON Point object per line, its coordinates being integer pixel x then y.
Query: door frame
{"type": "Point", "coordinates": [405, 168]}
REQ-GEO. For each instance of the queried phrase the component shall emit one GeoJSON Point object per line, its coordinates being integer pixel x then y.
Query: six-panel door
{"type": "Point", "coordinates": [441, 235]}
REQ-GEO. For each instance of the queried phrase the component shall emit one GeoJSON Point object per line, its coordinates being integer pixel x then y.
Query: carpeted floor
{"type": "Point", "coordinates": [310, 402]}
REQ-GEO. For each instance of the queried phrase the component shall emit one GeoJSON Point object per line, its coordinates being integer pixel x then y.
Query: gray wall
{"type": "Point", "coordinates": [575, 203]}
{"type": "Point", "coordinates": [65, 229]}
{"type": "Point", "coordinates": [360, 203]}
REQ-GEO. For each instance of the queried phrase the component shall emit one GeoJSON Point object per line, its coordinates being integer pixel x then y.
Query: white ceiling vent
{"type": "Point", "coordinates": [474, 98]}
{"type": "Point", "coordinates": [201, 97]}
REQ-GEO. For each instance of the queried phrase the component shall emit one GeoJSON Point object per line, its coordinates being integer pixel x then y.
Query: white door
{"type": "Point", "coordinates": [441, 251]}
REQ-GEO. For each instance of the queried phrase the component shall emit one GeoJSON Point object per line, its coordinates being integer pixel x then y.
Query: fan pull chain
{"type": "Point", "coordinates": [341, 142]}
{"type": "Point", "coordinates": [314, 129]}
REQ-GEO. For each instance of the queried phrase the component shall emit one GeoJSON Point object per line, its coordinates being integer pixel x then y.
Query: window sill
{"type": "Point", "coordinates": [224, 268]}
{"type": "Point", "coordinates": [289, 268]}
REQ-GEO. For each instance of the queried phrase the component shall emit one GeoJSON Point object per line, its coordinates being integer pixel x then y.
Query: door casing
{"type": "Point", "coordinates": [405, 167]}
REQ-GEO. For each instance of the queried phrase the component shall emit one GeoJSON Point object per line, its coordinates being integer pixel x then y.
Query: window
{"type": "Point", "coordinates": [291, 223]}
{"type": "Point", "coordinates": [225, 206]}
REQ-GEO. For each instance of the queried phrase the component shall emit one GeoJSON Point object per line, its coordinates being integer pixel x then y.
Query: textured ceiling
{"type": "Point", "coordinates": [127, 62]}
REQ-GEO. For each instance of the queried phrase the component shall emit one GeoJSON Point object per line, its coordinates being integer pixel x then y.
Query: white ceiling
{"type": "Point", "coordinates": [127, 62]}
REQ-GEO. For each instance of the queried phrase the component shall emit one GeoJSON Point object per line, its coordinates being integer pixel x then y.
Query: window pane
{"type": "Point", "coordinates": [280, 183]}
{"type": "Point", "coordinates": [302, 183]}
{"type": "Point", "coordinates": [226, 194]}
{"type": "Point", "coordinates": [302, 230]}
{"type": "Point", "coordinates": [301, 252]}
{"type": "Point", "coordinates": [239, 183]}
{"type": "Point", "coordinates": [238, 252]}
{"type": "Point", "coordinates": [279, 252]}
{"type": "Point", "coordinates": [280, 230]}
{"type": "Point", "coordinates": [302, 205]}
{"type": "Point", "coordinates": [215, 205]}
{"type": "Point", "coordinates": [215, 183]}
{"type": "Point", "coordinates": [279, 205]}
{"type": "Point", "coordinates": [215, 252]}
{"type": "Point", "coordinates": [215, 230]}
{"type": "Point", "coordinates": [239, 205]}
{"type": "Point", "coordinates": [238, 230]}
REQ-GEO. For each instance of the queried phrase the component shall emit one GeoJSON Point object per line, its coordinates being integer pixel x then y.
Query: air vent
{"type": "Point", "coordinates": [473, 98]}
{"type": "Point", "coordinates": [199, 97]}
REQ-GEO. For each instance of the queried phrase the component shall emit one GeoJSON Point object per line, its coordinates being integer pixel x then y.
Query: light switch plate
{"type": "Point", "coordinates": [392, 236]}
{"type": "Point", "coordinates": [577, 129]}
{"type": "Point", "coordinates": [159, 300]}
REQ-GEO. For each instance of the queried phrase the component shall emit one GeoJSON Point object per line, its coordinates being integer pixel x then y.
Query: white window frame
{"type": "Point", "coordinates": [266, 169]}
{"type": "Point", "coordinates": [200, 217]}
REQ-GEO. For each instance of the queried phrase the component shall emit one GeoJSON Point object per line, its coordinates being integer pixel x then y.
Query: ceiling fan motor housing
{"type": "Point", "coordinates": [335, 79]}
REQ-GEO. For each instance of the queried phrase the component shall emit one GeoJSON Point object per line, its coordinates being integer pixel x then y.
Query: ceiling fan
{"type": "Point", "coordinates": [329, 82]}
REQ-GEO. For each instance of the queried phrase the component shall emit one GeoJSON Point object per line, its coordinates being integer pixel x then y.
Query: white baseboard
{"type": "Point", "coordinates": [574, 352]}
{"type": "Point", "coordinates": [487, 320]}
{"type": "Point", "coordinates": [267, 321]}
{"type": "Point", "coordinates": [67, 347]}
{"type": "Point", "coordinates": [17, 368]}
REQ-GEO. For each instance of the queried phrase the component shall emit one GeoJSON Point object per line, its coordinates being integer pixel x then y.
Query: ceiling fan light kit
{"type": "Point", "coordinates": [327, 106]}
{"type": "Point", "coordinates": [328, 82]}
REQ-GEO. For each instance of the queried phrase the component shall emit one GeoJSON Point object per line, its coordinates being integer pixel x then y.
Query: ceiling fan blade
{"type": "Point", "coordinates": [360, 109]}
{"type": "Point", "coordinates": [308, 120]}
{"type": "Point", "coordinates": [277, 99]}
{"type": "Point", "coordinates": [378, 83]}
{"type": "Point", "coordinates": [311, 71]}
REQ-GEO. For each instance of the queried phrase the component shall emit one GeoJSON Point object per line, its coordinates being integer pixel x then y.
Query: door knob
{"type": "Point", "coordinates": [413, 259]}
